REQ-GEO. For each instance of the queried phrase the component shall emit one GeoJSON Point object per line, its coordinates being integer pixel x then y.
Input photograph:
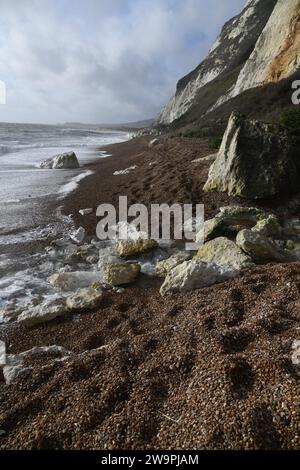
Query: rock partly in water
{"type": "Point", "coordinates": [80, 254]}
{"type": "Point", "coordinates": [224, 252]}
{"type": "Point", "coordinates": [262, 249]}
{"type": "Point", "coordinates": [108, 256]}
{"type": "Point", "coordinates": [12, 310]}
{"type": "Point", "coordinates": [130, 248]}
{"type": "Point", "coordinates": [121, 274]}
{"type": "Point", "coordinates": [192, 275]}
{"type": "Point", "coordinates": [255, 161]}
{"type": "Point", "coordinates": [71, 281]}
{"type": "Point", "coordinates": [84, 299]}
{"type": "Point", "coordinates": [63, 161]}
{"type": "Point", "coordinates": [149, 260]}
{"type": "Point", "coordinates": [163, 267]}
{"type": "Point", "coordinates": [44, 312]}
{"type": "Point", "coordinates": [78, 236]}
{"type": "Point", "coordinates": [15, 363]}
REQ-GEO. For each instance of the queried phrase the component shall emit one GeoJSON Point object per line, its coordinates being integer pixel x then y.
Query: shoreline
{"type": "Point", "coordinates": [150, 372]}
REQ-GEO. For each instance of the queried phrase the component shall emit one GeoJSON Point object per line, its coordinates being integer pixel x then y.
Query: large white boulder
{"type": "Point", "coordinates": [44, 312]}
{"type": "Point", "coordinates": [63, 161]}
{"type": "Point", "coordinates": [192, 275]}
{"type": "Point", "coordinates": [255, 161]}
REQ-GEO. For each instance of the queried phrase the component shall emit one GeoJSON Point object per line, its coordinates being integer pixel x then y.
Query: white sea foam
{"type": "Point", "coordinates": [25, 194]}
{"type": "Point", "coordinates": [73, 184]}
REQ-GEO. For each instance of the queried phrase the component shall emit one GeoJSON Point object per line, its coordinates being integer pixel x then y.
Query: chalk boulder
{"type": "Point", "coordinates": [224, 252]}
{"type": "Point", "coordinates": [255, 161]}
{"type": "Point", "coordinates": [63, 161]}
{"type": "Point", "coordinates": [121, 274]}
{"type": "Point", "coordinates": [192, 275]}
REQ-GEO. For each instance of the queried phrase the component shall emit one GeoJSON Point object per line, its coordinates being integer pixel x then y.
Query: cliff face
{"type": "Point", "coordinates": [277, 52]}
{"type": "Point", "coordinates": [259, 46]}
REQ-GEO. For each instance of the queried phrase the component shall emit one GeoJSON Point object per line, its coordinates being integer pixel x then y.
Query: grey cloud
{"type": "Point", "coordinates": [100, 60]}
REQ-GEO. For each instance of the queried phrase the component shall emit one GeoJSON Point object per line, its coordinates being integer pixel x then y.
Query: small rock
{"type": "Point", "coordinates": [85, 211]}
{"type": "Point", "coordinates": [78, 236]}
{"type": "Point", "coordinates": [129, 248]}
{"type": "Point", "coordinates": [268, 226]}
{"type": "Point", "coordinates": [84, 299]}
{"type": "Point", "coordinates": [71, 281]}
{"type": "Point", "coordinates": [79, 254]}
{"type": "Point", "coordinates": [93, 259]}
{"type": "Point", "coordinates": [121, 274]}
{"type": "Point", "coordinates": [262, 249]}
{"type": "Point", "coordinates": [126, 171]}
{"type": "Point", "coordinates": [163, 267]}
{"type": "Point", "coordinates": [153, 143]}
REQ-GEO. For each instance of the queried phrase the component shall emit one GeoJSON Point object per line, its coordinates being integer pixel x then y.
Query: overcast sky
{"type": "Point", "coordinates": [101, 61]}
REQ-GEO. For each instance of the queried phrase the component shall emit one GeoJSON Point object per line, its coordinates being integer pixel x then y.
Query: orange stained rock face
{"type": "Point", "coordinates": [284, 63]}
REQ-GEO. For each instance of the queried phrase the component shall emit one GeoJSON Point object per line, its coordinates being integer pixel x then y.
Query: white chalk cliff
{"type": "Point", "coordinates": [277, 51]}
{"type": "Point", "coordinates": [259, 46]}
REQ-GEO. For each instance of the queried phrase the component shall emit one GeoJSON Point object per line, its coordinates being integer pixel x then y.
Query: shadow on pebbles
{"type": "Point", "coordinates": [208, 370]}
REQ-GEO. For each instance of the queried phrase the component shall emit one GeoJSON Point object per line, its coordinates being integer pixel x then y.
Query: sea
{"type": "Point", "coordinates": [26, 193]}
